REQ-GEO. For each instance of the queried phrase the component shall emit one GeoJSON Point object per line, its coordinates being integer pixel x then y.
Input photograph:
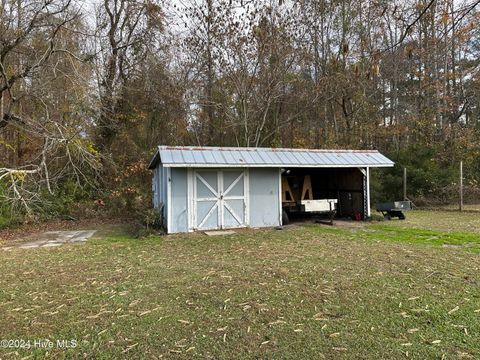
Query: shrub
{"type": "Point", "coordinates": [152, 218]}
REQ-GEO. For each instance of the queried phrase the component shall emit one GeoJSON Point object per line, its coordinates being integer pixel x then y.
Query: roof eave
{"type": "Point", "coordinates": [176, 165]}
{"type": "Point", "coordinates": [155, 160]}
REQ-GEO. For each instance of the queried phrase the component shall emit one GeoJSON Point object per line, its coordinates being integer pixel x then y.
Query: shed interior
{"type": "Point", "coordinates": [345, 184]}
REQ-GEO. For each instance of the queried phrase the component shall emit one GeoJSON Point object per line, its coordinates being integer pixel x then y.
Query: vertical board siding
{"type": "Point", "coordinates": [160, 186]}
{"type": "Point", "coordinates": [164, 188]}
{"type": "Point", "coordinates": [264, 197]}
{"type": "Point", "coordinates": [160, 197]}
{"type": "Point", "coordinates": [179, 199]}
{"type": "Point", "coordinates": [155, 188]}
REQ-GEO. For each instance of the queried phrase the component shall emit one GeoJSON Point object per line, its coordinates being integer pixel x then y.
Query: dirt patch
{"type": "Point", "coordinates": [350, 224]}
{"type": "Point", "coordinates": [339, 223]}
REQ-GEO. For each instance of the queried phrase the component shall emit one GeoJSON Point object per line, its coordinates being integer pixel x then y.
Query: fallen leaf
{"type": "Point", "coordinates": [129, 348]}
{"type": "Point", "coordinates": [453, 310]}
{"type": "Point", "coordinates": [277, 322]}
{"type": "Point", "coordinates": [133, 303]}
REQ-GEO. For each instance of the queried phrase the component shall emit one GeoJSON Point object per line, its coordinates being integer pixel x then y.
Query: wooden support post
{"type": "Point", "coordinates": [331, 213]}
{"type": "Point", "coordinates": [404, 183]}
{"type": "Point", "coordinates": [461, 186]}
{"type": "Point", "coordinates": [368, 193]}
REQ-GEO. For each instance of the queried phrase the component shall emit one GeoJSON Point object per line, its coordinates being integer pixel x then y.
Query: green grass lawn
{"type": "Point", "coordinates": [466, 207]}
{"type": "Point", "coordinates": [442, 220]}
{"type": "Point", "coordinates": [385, 290]}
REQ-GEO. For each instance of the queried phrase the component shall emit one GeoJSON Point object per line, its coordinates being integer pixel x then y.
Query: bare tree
{"type": "Point", "coordinates": [126, 30]}
{"type": "Point", "coordinates": [39, 66]}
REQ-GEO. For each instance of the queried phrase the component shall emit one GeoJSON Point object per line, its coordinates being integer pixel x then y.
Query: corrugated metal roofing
{"type": "Point", "coordinates": [190, 156]}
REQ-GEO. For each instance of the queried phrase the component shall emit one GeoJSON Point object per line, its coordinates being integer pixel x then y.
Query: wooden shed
{"type": "Point", "coordinates": [208, 188]}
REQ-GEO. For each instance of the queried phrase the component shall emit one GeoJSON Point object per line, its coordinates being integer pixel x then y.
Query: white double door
{"type": "Point", "coordinates": [219, 199]}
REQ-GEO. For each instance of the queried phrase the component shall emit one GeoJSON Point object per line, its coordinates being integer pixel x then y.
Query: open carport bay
{"type": "Point", "coordinates": [347, 185]}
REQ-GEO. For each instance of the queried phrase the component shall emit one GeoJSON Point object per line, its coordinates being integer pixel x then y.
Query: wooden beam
{"type": "Point", "coordinates": [286, 190]}
{"type": "Point", "coordinates": [307, 188]}
{"type": "Point", "coordinates": [461, 186]}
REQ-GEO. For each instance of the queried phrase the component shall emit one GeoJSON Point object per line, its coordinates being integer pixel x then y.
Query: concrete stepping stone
{"type": "Point", "coordinates": [53, 239]}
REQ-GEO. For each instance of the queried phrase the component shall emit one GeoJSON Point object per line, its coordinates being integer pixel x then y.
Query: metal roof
{"type": "Point", "coordinates": [191, 156]}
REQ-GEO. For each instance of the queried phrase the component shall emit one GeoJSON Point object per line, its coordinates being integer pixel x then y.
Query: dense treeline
{"type": "Point", "coordinates": [87, 90]}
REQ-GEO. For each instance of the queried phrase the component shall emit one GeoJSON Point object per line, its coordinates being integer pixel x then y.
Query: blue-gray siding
{"type": "Point", "coordinates": [160, 197]}
{"type": "Point", "coordinates": [264, 197]}
{"type": "Point", "coordinates": [179, 199]}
